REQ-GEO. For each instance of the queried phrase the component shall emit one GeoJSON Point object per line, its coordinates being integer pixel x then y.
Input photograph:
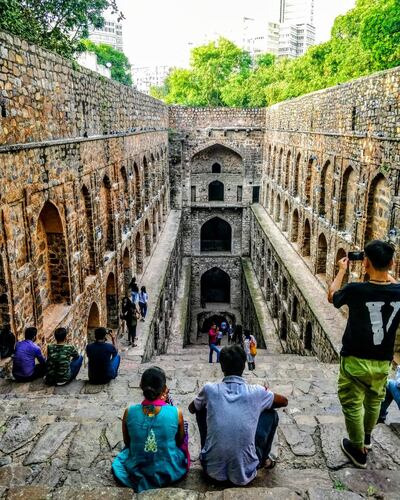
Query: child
{"type": "Point", "coordinates": [153, 433]}
{"type": "Point", "coordinates": [250, 348]}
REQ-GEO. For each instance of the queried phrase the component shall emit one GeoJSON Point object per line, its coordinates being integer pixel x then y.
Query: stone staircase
{"type": "Point", "coordinates": [59, 442]}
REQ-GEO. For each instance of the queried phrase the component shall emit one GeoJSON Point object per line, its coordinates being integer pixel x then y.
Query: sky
{"type": "Point", "coordinates": [162, 32]}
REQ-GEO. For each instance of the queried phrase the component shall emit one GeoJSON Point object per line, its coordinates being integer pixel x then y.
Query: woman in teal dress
{"type": "Point", "coordinates": [153, 433]}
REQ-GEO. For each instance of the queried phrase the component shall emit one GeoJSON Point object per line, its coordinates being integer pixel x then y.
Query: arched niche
{"type": "Point", "coordinates": [215, 286]}
{"type": "Point", "coordinates": [216, 236]}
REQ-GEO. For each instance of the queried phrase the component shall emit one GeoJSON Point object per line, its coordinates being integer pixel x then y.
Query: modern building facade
{"type": "Point", "coordinates": [111, 34]}
{"type": "Point", "coordinates": [149, 76]}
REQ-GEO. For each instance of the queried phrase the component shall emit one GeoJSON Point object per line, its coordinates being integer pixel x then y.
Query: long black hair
{"type": "Point", "coordinates": [153, 382]}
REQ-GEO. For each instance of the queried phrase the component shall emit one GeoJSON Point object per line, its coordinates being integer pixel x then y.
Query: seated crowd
{"type": "Point", "coordinates": [63, 361]}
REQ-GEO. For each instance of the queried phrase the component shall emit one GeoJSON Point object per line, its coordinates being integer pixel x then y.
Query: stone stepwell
{"type": "Point", "coordinates": [59, 442]}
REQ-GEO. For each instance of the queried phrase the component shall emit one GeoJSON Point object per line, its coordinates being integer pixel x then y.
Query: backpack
{"type": "Point", "coordinates": [253, 348]}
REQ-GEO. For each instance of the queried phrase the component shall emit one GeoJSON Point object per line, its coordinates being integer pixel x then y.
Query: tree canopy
{"type": "Point", "coordinates": [120, 67]}
{"type": "Point", "coordinates": [57, 25]}
{"type": "Point", "coordinates": [364, 40]}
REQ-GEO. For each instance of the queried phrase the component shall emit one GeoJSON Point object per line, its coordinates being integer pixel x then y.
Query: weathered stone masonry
{"type": "Point", "coordinates": [90, 169]}
{"type": "Point", "coordinates": [85, 191]}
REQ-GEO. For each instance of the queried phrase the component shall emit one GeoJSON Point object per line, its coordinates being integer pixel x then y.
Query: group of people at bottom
{"type": "Point", "coordinates": [134, 308]}
{"type": "Point", "coordinates": [233, 448]}
{"type": "Point", "coordinates": [235, 335]}
{"type": "Point", "coordinates": [63, 361]}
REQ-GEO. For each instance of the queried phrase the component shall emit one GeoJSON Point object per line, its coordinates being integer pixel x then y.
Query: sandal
{"type": "Point", "coordinates": [269, 464]}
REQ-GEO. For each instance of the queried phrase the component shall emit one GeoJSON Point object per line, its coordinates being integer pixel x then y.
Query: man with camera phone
{"type": "Point", "coordinates": [103, 357]}
{"type": "Point", "coordinates": [368, 343]}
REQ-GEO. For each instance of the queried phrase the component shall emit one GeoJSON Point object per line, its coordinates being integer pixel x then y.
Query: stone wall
{"type": "Point", "coordinates": [84, 176]}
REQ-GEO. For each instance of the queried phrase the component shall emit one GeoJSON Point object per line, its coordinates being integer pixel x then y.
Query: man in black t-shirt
{"type": "Point", "coordinates": [368, 344]}
{"type": "Point", "coordinates": [103, 358]}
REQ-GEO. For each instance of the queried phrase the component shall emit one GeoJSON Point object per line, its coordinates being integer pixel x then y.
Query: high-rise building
{"type": "Point", "coordinates": [110, 33]}
{"type": "Point", "coordinates": [149, 76]}
{"type": "Point", "coordinates": [297, 11]}
{"type": "Point", "coordinates": [266, 39]}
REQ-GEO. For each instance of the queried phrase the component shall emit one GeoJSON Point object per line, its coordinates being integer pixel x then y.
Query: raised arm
{"type": "Point", "coordinates": [279, 401]}
{"type": "Point", "coordinates": [125, 433]}
{"type": "Point", "coordinates": [180, 435]}
{"type": "Point", "coordinates": [337, 282]}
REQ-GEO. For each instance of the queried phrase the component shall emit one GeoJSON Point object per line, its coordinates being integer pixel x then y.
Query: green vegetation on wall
{"type": "Point", "coordinates": [365, 40]}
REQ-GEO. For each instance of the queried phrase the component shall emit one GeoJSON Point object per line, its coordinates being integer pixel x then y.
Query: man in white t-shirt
{"type": "Point", "coordinates": [237, 422]}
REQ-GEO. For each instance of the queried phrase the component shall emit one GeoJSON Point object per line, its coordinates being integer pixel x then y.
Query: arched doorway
{"type": "Point", "coordinates": [278, 209]}
{"type": "Point", "coordinates": [4, 302]}
{"type": "Point", "coordinates": [283, 328]}
{"type": "Point", "coordinates": [274, 306]}
{"type": "Point", "coordinates": [308, 181]}
{"type": "Point", "coordinates": [216, 168]}
{"type": "Point", "coordinates": [287, 169]}
{"type": "Point", "coordinates": [147, 238]}
{"type": "Point", "coordinates": [126, 262]}
{"type": "Point", "coordinates": [93, 322]}
{"type": "Point", "coordinates": [146, 182]}
{"type": "Point", "coordinates": [285, 217]}
{"type": "Point", "coordinates": [280, 166]}
{"type": "Point", "coordinates": [137, 190]}
{"type": "Point", "coordinates": [216, 191]}
{"type": "Point", "coordinates": [154, 225]}
{"type": "Point", "coordinates": [325, 188]}
{"type": "Point", "coordinates": [295, 226]}
{"type": "Point", "coordinates": [89, 229]}
{"type": "Point", "coordinates": [216, 236]}
{"type": "Point", "coordinates": [306, 250]}
{"type": "Point", "coordinates": [215, 286]}
{"type": "Point", "coordinates": [112, 302]}
{"type": "Point", "coordinates": [296, 176]}
{"type": "Point", "coordinates": [321, 254]}
{"type": "Point", "coordinates": [107, 204]}
{"type": "Point", "coordinates": [51, 258]}
{"type": "Point", "coordinates": [308, 337]}
{"type": "Point", "coordinates": [378, 210]}
{"type": "Point", "coordinates": [347, 200]}
{"type": "Point", "coordinates": [125, 199]}
{"type": "Point", "coordinates": [295, 309]}
{"type": "Point", "coordinates": [139, 254]}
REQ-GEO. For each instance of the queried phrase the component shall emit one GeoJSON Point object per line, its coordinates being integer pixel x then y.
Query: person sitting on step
{"type": "Point", "coordinates": [103, 357]}
{"type": "Point", "coordinates": [27, 352]}
{"type": "Point", "coordinates": [7, 342]}
{"type": "Point", "coordinates": [154, 434]}
{"type": "Point", "coordinates": [63, 360]}
{"type": "Point", "coordinates": [237, 423]}
{"type": "Point", "coordinates": [392, 394]}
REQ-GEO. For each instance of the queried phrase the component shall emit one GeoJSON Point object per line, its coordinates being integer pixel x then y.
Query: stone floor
{"type": "Point", "coordinates": [59, 442]}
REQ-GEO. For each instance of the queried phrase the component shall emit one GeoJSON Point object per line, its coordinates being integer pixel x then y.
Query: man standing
{"type": "Point", "coordinates": [63, 360]}
{"type": "Point", "coordinates": [103, 358]}
{"type": "Point", "coordinates": [27, 352]}
{"type": "Point", "coordinates": [368, 343]}
{"type": "Point", "coordinates": [212, 342]}
{"type": "Point", "coordinates": [237, 422]}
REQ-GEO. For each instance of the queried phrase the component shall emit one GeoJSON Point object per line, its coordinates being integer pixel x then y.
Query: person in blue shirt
{"type": "Point", "coordinates": [154, 435]}
{"type": "Point", "coordinates": [237, 423]}
{"type": "Point", "coordinates": [103, 357]}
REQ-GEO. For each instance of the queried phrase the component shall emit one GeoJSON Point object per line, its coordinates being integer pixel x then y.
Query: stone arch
{"type": "Point", "coordinates": [137, 189]}
{"type": "Point", "coordinates": [108, 222]}
{"type": "Point", "coordinates": [274, 306]}
{"type": "Point", "coordinates": [139, 253]}
{"type": "Point", "coordinates": [126, 264]}
{"type": "Point", "coordinates": [308, 181]}
{"type": "Point", "coordinates": [296, 175]}
{"type": "Point", "coordinates": [278, 209]}
{"type": "Point", "coordinates": [111, 302]}
{"type": "Point", "coordinates": [268, 289]}
{"type": "Point", "coordinates": [216, 191]}
{"type": "Point", "coordinates": [274, 167]}
{"type": "Point", "coordinates": [294, 236]}
{"type": "Point", "coordinates": [285, 288]}
{"type": "Point", "coordinates": [287, 169]}
{"type": "Point", "coordinates": [93, 322]}
{"type": "Point", "coordinates": [308, 337]}
{"type": "Point", "coordinates": [227, 157]}
{"type": "Point", "coordinates": [155, 231]}
{"type": "Point", "coordinates": [306, 250]}
{"type": "Point", "coordinates": [89, 229]}
{"type": "Point", "coordinates": [295, 309]}
{"type": "Point", "coordinates": [147, 238]}
{"type": "Point", "coordinates": [125, 199]}
{"type": "Point", "coordinates": [266, 203]}
{"type": "Point", "coordinates": [216, 168]}
{"type": "Point", "coordinates": [347, 200]}
{"type": "Point", "coordinates": [378, 209]}
{"type": "Point", "coordinates": [51, 258]}
{"type": "Point", "coordinates": [322, 254]}
{"type": "Point", "coordinates": [269, 162]}
{"type": "Point", "coordinates": [325, 194]}
{"type": "Point", "coordinates": [272, 204]}
{"type": "Point", "coordinates": [285, 223]}
{"type": "Point", "coordinates": [216, 236]}
{"type": "Point", "coordinates": [283, 327]}
{"type": "Point", "coordinates": [146, 175]}
{"type": "Point", "coordinates": [280, 167]}
{"type": "Point", "coordinates": [5, 318]}
{"type": "Point", "coordinates": [215, 286]}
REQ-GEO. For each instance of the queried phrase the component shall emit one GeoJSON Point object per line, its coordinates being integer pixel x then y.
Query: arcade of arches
{"type": "Point", "coordinates": [132, 186]}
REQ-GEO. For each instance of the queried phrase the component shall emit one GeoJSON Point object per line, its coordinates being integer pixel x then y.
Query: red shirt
{"type": "Point", "coordinates": [212, 336]}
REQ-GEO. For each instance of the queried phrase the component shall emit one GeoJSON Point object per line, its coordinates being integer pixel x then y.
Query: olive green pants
{"type": "Point", "coordinates": [361, 390]}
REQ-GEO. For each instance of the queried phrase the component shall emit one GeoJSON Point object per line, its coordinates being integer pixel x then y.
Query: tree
{"type": "Point", "coordinates": [364, 40]}
{"type": "Point", "coordinates": [57, 25]}
{"type": "Point", "coordinates": [120, 67]}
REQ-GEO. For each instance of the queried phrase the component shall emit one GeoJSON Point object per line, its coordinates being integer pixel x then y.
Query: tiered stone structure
{"type": "Point", "coordinates": [91, 170]}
